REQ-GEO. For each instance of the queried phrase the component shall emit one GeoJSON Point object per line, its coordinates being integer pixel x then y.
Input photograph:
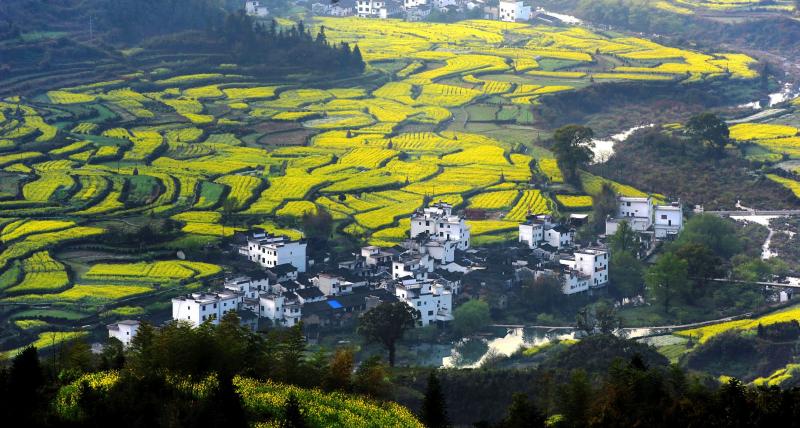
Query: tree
{"type": "Point", "coordinates": [604, 204]}
{"type": "Point", "coordinates": [626, 274]}
{"type": "Point", "coordinates": [293, 416]}
{"type": "Point", "coordinates": [575, 399]}
{"type": "Point", "coordinates": [718, 234]}
{"type": "Point", "coordinates": [543, 294]}
{"type": "Point", "coordinates": [667, 278]}
{"type": "Point", "coordinates": [709, 129]}
{"type": "Point", "coordinates": [471, 316]}
{"type": "Point", "coordinates": [701, 263]}
{"type": "Point", "coordinates": [370, 378]}
{"type": "Point", "coordinates": [386, 324]}
{"type": "Point", "coordinates": [598, 318]}
{"type": "Point", "coordinates": [523, 414]}
{"type": "Point", "coordinates": [625, 239]}
{"type": "Point", "coordinates": [23, 389]}
{"type": "Point", "coordinates": [434, 408]}
{"type": "Point", "coordinates": [573, 148]}
{"type": "Point", "coordinates": [340, 370]}
{"type": "Point", "coordinates": [318, 225]}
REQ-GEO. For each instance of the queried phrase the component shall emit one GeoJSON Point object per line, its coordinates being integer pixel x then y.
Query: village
{"type": "Point", "coordinates": [411, 10]}
{"type": "Point", "coordinates": [425, 271]}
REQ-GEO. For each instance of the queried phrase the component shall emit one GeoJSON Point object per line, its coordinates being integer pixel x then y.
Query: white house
{"type": "Point", "coordinates": [432, 299]}
{"type": "Point", "coordinates": [270, 251]}
{"type": "Point", "coordinates": [280, 309]}
{"type": "Point", "coordinates": [513, 11]}
{"type": "Point", "coordinates": [371, 9]}
{"type": "Point", "coordinates": [197, 308]}
{"type": "Point", "coordinates": [664, 221]}
{"type": "Point", "coordinates": [332, 285]}
{"type": "Point", "coordinates": [124, 331]}
{"type": "Point", "coordinates": [559, 236]}
{"type": "Point", "coordinates": [539, 230]}
{"type": "Point", "coordinates": [668, 220]}
{"type": "Point", "coordinates": [254, 8]}
{"type": "Point", "coordinates": [440, 224]}
{"type": "Point", "coordinates": [412, 264]}
{"type": "Point", "coordinates": [443, 5]}
{"type": "Point", "coordinates": [588, 265]}
{"type": "Point", "coordinates": [247, 287]}
{"type": "Point", "coordinates": [638, 212]}
{"type": "Point", "coordinates": [375, 256]}
{"type": "Point", "coordinates": [409, 4]}
{"type": "Point", "coordinates": [532, 233]}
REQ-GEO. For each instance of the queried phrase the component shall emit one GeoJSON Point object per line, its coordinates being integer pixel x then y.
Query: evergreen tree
{"type": "Point", "coordinates": [434, 408]}
{"type": "Point", "coordinates": [357, 60]}
{"type": "Point", "coordinates": [292, 413]}
{"type": "Point", "coordinates": [523, 414]}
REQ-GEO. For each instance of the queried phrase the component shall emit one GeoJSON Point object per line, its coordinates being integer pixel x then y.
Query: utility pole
{"type": "Point", "coordinates": [91, 28]}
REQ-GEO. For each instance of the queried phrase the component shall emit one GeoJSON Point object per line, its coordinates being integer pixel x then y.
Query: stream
{"type": "Point", "coordinates": [473, 352]}
{"type": "Point", "coordinates": [604, 148]}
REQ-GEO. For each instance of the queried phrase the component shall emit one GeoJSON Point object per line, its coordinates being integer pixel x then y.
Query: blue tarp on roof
{"type": "Point", "coordinates": [334, 304]}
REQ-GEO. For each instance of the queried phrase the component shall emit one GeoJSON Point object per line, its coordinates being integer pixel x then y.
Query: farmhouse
{"type": "Point", "coordinates": [334, 285]}
{"type": "Point", "coordinates": [590, 268]}
{"type": "Point", "coordinates": [540, 230]}
{"type": "Point", "coordinates": [439, 223]}
{"type": "Point", "coordinates": [197, 308]}
{"type": "Point", "coordinates": [270, 251]}
{"type": "Point", "coordinates": [246, 286]}
{"type": "Point", "coordinates": [513, 11]}
{"type": "Point", "coordinates": [254, 8]}
{"type": "Point", "coordinates": [431, 298]}
{"type": "Point", "coordinates": [124, 331]}
{"type": "Point", "coordinates": [643, 216]}
{"type": "Point", "coordinates": [409, 4]}
{"type": "Point", "coordinates": [371, 9]}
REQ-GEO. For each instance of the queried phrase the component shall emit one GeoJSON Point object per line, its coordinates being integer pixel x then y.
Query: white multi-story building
{"type": "Point", "coordinates": [513, 11]}
{"type": "Point", "coordinates": [413, 265]}
{"type": "Point", "coordinates": [440, 224]}
{"type": "Point", "coordinates": [409, 4]}
{"type": "Point", "coordinates": [197, 308]}
{"type": "Point", "coordinates": [541, 229]}
{"type": "Point", "coordinates": [270, 251]}
{"type": "Point", "coordinates": [588, 268]}
{"type": "Point", "coordinates": [375, 256]}
{"type": "Point", "coordinates": [444, 5]}
{"type": "Point", "coordinates": [442, 252]}
{"type": "Point", "coordinates": [254, 8]}
{"type": "Point", "coordinates": [279, 309]}
{"type": "Point", "coordinates": [668, 220]}
{"type": "Point", "coordinates": [247, 287]}
{"type": "Point", "coordinates": [332, 285]}
{"type": "Point", "coordinates": [532, 233]}
{"type": "Point", "coordinates": [432, 299]}
{"type": "Point", "coordinates": [124, 331]}
{"type": "Point", "coordinates": [558, 236]}
{"type": "Point", "coordinates": [638, 212]}
{"type": "Point", "coordinates": [642, 215]}
{"type": "Point", "coordinates": [371, 9]}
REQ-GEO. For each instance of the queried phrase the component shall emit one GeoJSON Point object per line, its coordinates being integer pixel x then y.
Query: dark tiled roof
{"type": "Point", "coordinates": [283, 269]}
{"type": "Point", "coordinates": [309, 293]}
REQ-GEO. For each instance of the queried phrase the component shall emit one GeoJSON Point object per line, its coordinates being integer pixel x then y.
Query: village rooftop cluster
{"type": "Point", "coordinates": [411, 10]}
{"type": "Point", "coordinates": [425, 271]}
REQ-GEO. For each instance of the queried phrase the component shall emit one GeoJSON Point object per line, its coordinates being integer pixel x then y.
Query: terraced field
{"type": "Point", "coordinates": [190, 147]}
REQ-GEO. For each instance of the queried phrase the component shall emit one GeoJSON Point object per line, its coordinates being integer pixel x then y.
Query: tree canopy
{"type": "Point", "coordinates": [386, 324]}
